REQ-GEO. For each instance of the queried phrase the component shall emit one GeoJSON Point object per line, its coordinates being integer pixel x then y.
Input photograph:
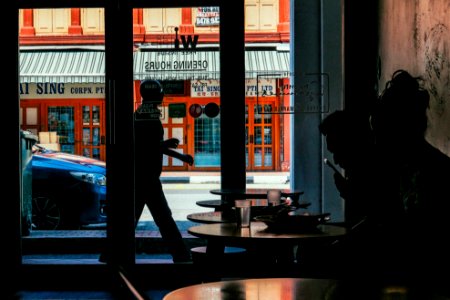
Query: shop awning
{"type": "Point", "coordinates": [62, 66]}
{"type": "Point", "coordinates": [89, 66]}
{"type": "Point", "coordinates": [206, 64]}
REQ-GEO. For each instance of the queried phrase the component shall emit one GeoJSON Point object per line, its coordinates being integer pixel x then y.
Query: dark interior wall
{"type": "Point", "coordinates": [415, 36]}
{"type": "Point", "coordinates": [360, 53]}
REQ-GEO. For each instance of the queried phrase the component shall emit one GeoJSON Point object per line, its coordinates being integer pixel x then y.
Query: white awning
{"type": "Point", "coordinates": [206, 64]}
{"type": "Point", "coordinates": [62, 66]}
{"type": "Point", "coordinates": [89, 66]}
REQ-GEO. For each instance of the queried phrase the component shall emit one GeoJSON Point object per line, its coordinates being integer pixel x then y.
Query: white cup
{"type": "Point", "coordinates": [274, 197]}
{"type": "Point", "coordinates": [243, 209]}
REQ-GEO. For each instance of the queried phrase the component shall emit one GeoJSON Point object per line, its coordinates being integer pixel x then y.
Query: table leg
{"type": "Point", "coordinates": [213, 264]}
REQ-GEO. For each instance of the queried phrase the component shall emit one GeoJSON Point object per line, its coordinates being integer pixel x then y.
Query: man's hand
{"type": "Point", "coordinates": [171, 143]}
{"type": "Point", "coordinates": [188, 159]}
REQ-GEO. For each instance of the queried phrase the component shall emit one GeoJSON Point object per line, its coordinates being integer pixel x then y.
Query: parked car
{"type": "Point", "coordinates": [68, 191]}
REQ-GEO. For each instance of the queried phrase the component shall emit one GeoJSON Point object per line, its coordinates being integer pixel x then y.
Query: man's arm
{"type": "Point", "coordinates": [187, 158]}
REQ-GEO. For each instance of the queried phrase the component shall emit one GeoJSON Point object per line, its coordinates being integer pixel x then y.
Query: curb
{"type": "Point", "coordinates": [216, 179]}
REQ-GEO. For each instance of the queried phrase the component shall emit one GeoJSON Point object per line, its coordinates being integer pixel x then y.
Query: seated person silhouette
{"type": "Point", "coordinates": [414, 175]}
{"type": "Point", "coordinates": [349, 140]}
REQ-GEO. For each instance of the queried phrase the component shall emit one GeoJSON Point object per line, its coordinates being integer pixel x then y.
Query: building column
{"type": "Point", "coordinates": [315, 57]}
{"type": "Point", "coordinates": [27, 28]}
{"type": "Point", "coordinates": [138, 24]}
{"type": "Point", "coordinates": [283, 20]}
{"type": "Point", "coordinates": [75, 22]}
{"type": "Point", "coordinates": [186, 20]}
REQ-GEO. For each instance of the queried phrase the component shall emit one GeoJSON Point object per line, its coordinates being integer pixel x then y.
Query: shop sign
{"type": "Point", "coordinates": [266, 87]}
{"type": "Point", "coordinates": [205, 88]}
{"type": "Point", "coordinates": [173, 87]}
{"type": "Point", "coordinates": [177, 110]}
{"type": "Point", "coordinates": [169, 61]}
{"type": "Point", "coordinates": [211, 88]}
{"type": "Point", "coordinates": [61, 90]}
{"type": "Point", "coordinates": [207, 16]}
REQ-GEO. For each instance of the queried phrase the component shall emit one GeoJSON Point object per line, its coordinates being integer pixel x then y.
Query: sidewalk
{"type": "Point", "coordinates": [214, 177]}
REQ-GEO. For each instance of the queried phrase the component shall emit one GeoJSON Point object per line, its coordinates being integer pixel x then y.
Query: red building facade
{"type": "Point", "coordinates": [62, 78]}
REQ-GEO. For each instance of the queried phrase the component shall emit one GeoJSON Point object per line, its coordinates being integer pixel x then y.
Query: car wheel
{"type": "Point", "coordinates": [46, 215]}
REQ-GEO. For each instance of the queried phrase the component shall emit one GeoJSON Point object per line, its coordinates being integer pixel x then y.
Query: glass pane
{"type": "Point", "coordinates": [246, 157]}
{"type": "Point", "coordinates": [86, 152]}
{"type": "Point", "coordinates": [61, 120]}
{"type": "Point", "coordinates": [268, 157]}
{"type": "Point", "coordinates": [258, 156]}
{"type": "Point", "coordinates": [62, 90]}
{"type": "Point", "coordinates": [178, 133]}
{"type": "Point", "coordinates": [32, 116]}
{"type": "Point", "coordinates": [257, 114]}
{"type": "Point", "coordinates": [267, 135]}
{"type": "Point", "coordinates": [207, 141]}
{"type": "Point", "coordinates": [96, 115]}
{"type": "Point", "coordinates": [96, 136]}
{"type": "Point", "coordinates": [268, 117]}
{"type": "Point", "coordinates": [258, 136]}
{"type": "Point", "coordinates": [86, 136]}
{"type": "Point", "coordinates": [177, 120]}
{"type": "Point", "coordinates": [86, 115]}
{"type": "Point", "coordinates": [96, 153]}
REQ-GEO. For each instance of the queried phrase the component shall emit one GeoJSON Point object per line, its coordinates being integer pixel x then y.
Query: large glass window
{"type": "Point", "coordinates": [62, 105]}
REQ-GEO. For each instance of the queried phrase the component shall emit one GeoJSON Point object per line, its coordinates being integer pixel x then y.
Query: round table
{"type": "Point", "coordinates": [288, 288]}
{"type": "Point", "coordinates": [218, 204]}
{"type": "Point", "coordinates": [257, 289]}
{"type": "Point", "coordinates": [255, 193]}
{"type": "Point", "coordinates": [277, 247]}
{"type": "Point", "coordinates": [212, 217]}
{"type": "Point", "coordinates": [258, 232]}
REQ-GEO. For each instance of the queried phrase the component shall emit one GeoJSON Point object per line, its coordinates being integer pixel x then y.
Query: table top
{"type": "Point", "coordinates": [254, 193]}
{"type": "Point", "coordinates": [306, 289]}
{"type": "Point", "coordinates": [257, 289]}
{"type": "Point", "coordinates": [213, 204]}
{"type": "Point", "coordinates": [221, 205]}
{"type": "Point", "coordinates": [258, 231]}
{"type": "Point", "coordinates": [212, 217]}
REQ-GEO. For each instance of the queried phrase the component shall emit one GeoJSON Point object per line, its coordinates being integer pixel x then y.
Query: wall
{"type": "Point", "coordinates": [415, 36]}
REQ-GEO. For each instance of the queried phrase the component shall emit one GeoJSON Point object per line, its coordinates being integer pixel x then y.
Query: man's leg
{"type": "Point", "coordinates": [162, 215]}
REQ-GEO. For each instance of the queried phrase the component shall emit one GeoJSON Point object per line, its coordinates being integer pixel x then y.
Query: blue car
{"type": "Point", "coordinates": [68, 191]}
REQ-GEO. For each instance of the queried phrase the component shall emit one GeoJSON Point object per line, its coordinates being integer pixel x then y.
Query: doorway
{"type": "Point", "coordinates": [260, 135]}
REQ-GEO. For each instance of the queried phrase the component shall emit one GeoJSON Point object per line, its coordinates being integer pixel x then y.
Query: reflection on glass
{"type": "Point", "coordinates": [258, 156]}
{"type": "Point", "coordinates": [86, 152]}
{"type": "Point", "coordinates": [267, 135]}
{"type": "Point", "coordinates": [257, 114]}
{"type": "Point", "coordinates": [268, 116]}
{"type": "Point", "coordinates": [86, 136]}
{"type": "Point", "coordinates": [258, 136]}
{"type": "Point", "coordinates": [61, 120]}
{"type": "Point", "coordinates": [96, 153]}
{"type": "Point", "coordinates": [207, 141]}
{"type": "Point", "coordinates": [268, 157]}
{"type": "Point", "coordinates": [96, 115]}
{"type": "Point", "coordinates": [246, 156]}
{"type": "Point", "coordinates": [96, 136]}
{"type": "Point", "coordinates": [86, 115]}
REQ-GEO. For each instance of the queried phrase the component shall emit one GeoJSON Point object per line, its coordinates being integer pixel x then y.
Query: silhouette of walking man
{"type": "Point", "coordinates": [149, 149]}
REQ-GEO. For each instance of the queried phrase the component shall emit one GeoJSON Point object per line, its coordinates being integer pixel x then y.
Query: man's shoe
{"type": "Point", "coordinates": [102, 258]}
{"type": "Point", "coordinates": [182, 260]}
